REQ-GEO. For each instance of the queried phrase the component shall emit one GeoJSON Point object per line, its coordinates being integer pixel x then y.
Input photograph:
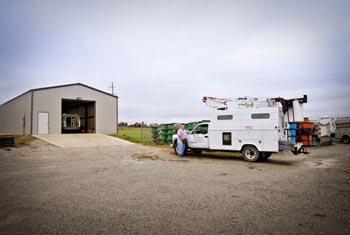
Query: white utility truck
{"type": "Point", "coordinates": [342, 131]}
{"type": "Point", "coordinates": [71, 123]}
{"type": "Point", "coordinates": [255, 127]}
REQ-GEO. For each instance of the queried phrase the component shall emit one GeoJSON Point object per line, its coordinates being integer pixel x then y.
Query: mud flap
{"type": "Point", "coordinates": [298, 150]}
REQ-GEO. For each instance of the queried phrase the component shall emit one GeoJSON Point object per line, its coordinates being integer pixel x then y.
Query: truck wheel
{"type": "Point", "coordinates": [345, 139]}
{"type": "Point", "coordinates": [250, 153]}
{"type": "Point", "coordinates": [175, 148]}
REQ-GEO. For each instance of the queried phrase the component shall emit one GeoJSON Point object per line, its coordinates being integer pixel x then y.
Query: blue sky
{"type": "Point", "coordinates": [165, 55]}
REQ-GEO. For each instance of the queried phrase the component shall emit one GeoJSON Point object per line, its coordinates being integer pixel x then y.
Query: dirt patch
{"type": "Point", "coordinates": [141, 157]}
{"type": "Point", "coordinates": [319, 163]}
{"type": "Point", "coordinates": [13, 218]}
{"type": "Point", "coordinates": [180, 160]}
{"type": "Point", "coordinates": [323, 216]}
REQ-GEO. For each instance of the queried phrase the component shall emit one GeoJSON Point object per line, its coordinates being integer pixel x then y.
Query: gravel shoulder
{"type": "Point", "coordinates": [142, 190]}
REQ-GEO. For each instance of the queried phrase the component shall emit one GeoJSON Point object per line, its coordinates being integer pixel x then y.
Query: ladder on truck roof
{"type": "Point", "coordinates": [248, 102]}
{"type": "Point", "coordinates": [242, 102]}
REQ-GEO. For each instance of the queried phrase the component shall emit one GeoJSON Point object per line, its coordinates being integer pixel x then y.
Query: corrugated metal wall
{"type": "Point", "coordinates": [50, 100]}
{"type": "Point", "coordinates": [12, 114]}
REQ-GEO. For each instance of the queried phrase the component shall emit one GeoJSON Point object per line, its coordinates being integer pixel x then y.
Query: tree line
{"type": "Point", "coordinates": [136, 124]}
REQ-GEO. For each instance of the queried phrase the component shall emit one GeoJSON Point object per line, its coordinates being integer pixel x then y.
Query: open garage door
{"type": "Point", "coordinates": [78, 116]}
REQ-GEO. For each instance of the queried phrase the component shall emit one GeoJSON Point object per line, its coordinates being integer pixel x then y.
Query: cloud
{"type": "Point", "coordinates": [164, 56]}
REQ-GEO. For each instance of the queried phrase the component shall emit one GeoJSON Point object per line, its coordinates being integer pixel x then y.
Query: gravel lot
{"type": "Point", "coordinates": [142, 190]}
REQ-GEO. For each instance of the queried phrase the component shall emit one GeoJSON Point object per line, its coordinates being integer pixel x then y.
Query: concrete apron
{"type": "Point", "coordinates": [82, 140]}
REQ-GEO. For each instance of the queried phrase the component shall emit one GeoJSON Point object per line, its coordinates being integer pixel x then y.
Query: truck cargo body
{"type": "Point", "coordinates": [230, 131]}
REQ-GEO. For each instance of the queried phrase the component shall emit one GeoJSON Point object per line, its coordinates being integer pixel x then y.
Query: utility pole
{"type": "Point", "coordinates": [112, 87]}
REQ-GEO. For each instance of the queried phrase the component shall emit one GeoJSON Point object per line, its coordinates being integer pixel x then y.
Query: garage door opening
{"type": "Point", "coordinates": [78, 116]}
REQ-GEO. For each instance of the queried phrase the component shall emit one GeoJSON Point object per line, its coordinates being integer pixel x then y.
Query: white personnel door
{"type": "Point", "coordinates": [43, 123]}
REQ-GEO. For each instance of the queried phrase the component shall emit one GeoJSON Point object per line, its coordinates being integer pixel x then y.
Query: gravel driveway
{"type": "Point", "coordinates": [142, 190]}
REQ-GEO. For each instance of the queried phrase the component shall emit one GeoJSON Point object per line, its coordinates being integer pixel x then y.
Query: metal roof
{"type": "Point", "coordinates": [60, 86]}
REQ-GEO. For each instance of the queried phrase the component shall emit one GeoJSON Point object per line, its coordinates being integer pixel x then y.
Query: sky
{"type": "Point", "coordinates": [163, 56]}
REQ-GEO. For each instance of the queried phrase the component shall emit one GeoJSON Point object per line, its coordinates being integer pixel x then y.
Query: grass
{"type": "Point", "coordinates": [136, 135]}
{"type": "Point", "coordinates": [23, 139]}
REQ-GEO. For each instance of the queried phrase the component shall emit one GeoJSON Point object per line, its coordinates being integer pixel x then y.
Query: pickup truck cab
{"type": "Point", "coordinates": [197, 139]}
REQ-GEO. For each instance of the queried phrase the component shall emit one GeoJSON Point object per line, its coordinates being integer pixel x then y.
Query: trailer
{"type": "Point", "coordinates": [342, 130]}
{"type": "Point", "coordinates": [255, 127]}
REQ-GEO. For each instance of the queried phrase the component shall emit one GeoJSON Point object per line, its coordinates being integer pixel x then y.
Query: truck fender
{"type": "Point", "coordinates": [244, 145]}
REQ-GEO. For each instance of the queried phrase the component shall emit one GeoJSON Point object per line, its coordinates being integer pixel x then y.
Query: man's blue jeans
{"type": "Point", "coordinates": [181, 148]}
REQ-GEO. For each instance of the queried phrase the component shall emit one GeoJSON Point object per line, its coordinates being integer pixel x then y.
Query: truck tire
{"type": "Point", "coordinates": [345, 139]}
{"type": "Point", "coordinates": [250, 153]}
{"type": "Point", "coordinates": [175, 148]}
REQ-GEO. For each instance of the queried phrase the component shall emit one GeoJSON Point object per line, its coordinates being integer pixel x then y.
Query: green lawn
{"type": "Point", "coordinates": [136, 135]}
{"type": "Point", "coordinates": [23, 139]}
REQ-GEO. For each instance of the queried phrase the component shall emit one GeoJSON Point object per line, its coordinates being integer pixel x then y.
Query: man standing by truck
{"type": "Point", "coordinates": [181, 140]}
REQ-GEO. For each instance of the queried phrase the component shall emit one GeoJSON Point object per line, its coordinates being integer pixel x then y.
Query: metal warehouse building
{"type": "Point", "coordinates": [39, 111]}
